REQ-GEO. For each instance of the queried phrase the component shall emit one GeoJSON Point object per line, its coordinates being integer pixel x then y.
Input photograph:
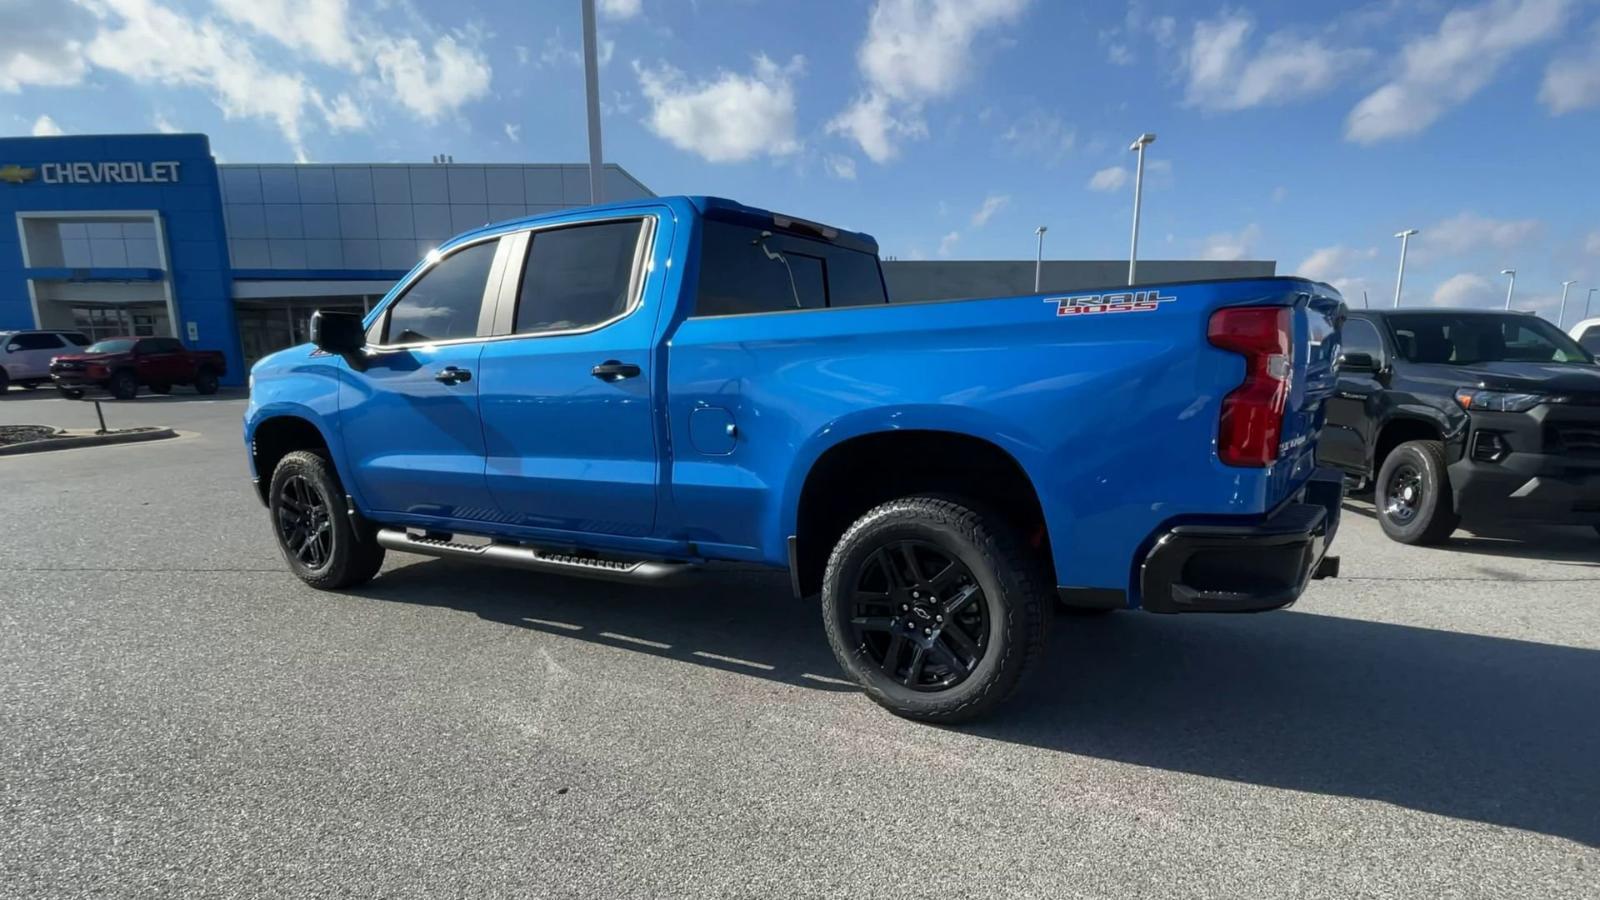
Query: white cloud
{"type": "Point", "coordinates": [991, 205]}
{"type": "Point", "coordinates": [151, 43]}
{"type": "Point", "coordinates": [321, 28]}
{"type": "Point", "coordinates": [1280, 194]}
{"type": "Point", "coordinates": [523, 54]}
{"type": "Point", "coordinates": [620, 9]}
{"type": "Point", "coordinates": [1470, 233]}
{"type": "Point", "coordinates": [1444, 69]}
{"type": "Point", "coordinates": [1573, 82]}
{"type": "Point", "coordinates": [1334, 263]}
{"type": "Point", "coordinates": [1466, 289]}
{"type": "Point", "coordinates": [432, 83]}
{"type": "Point", "coordinates": [1119, 54]}
{"type": "Point", "coordinates": [342, 114]}
{"type": "Point", "coordinates": [874, 128]}
{"type": "Point", "coordinates": [731, 118]}
{"type": "Point", "coordinates": [254, 59]}
{"type": "Point", "coordinates": [1040, 135]}
{"type": "Point", "coordinates": [1226, 73]}
{"type": "Point", "coordinates": [840, 166]}
{"type": "Point", "coordinates": [164, 125]}
{"type": "Point", "coordinates": [1231, 246]}
{"type": "Point", "coordinates": [947, 244]}
{"type": "Point", "coordinates": [915, 51]}
{"type": "Point", "coordinates": [1111, 178]}
{"type": "Point", "coordinates": [1591, 244]}
{"type": "Point", "coordinates": [42, 46]}
{"type": "Point", "coordinates": [44, 126]}
{"type": "Point", "coordinates": [513, 132]}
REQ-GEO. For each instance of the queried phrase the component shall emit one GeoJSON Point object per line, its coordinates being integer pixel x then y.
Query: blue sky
{"type": "Point", "coordinates": [1306, 132]}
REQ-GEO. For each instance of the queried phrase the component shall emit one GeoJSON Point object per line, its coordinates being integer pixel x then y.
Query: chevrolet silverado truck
{"type": "Point", "coordinates": [632, 391]}
{"type": "Point", "coordinates": [1463, 414]}
{"type": "Point", "coordinates": [122, 365]}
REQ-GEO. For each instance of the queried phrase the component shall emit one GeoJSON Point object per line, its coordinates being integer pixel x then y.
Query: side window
{"type": "Point", "coordinates": [160, 345]}
{"type": "Point", "coordinates": [1360, 336]}
{"type": "Point", "coordinates": [36, 342]}
{"type": "Point", "coordinates": [749, 270]}
{"type": "Point", "coordinates": [75, 339]}
{"type": "Point", "coordinates": [577, 277]}
{"type": "Point", "coordinates": [1590, 340]}
{"type": "Point", "coordinates": [444, 302]}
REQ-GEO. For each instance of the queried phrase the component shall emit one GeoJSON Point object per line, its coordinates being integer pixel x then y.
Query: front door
{"type": "Point", "coordinates": [28, 355]}
{"type": "Point", "coordinates": [1351, 410]}
{"type": "Point", "coordinates": [412, 435]}
{"type": "Point", "coordinates": [568, 411]}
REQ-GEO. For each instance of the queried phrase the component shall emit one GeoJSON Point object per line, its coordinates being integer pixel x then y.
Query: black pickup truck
{"type": "Point", "coordinates": [1452, 414]}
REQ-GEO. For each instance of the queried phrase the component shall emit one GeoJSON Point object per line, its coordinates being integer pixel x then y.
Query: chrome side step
{"type": "Point", "coordinates": [535, 558]}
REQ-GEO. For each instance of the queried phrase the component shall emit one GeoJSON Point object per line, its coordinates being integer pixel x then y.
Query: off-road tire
{"type": "Point", "coordinates": [123, 385]}
{"type": "Point", "coordinates": [1433, 517]}
{"type": "Point", "coordinates": [1018, 598]}
{"type": "Point", "coordinates": [355, 556]}
{"type": "Point", "coordinates": [5, 381]}
{"type": "Point", "coordinates": [205, 382]}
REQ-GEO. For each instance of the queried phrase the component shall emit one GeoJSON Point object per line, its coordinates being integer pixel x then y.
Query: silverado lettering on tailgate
{"type": "Point", "coordinates": [1127, 301]}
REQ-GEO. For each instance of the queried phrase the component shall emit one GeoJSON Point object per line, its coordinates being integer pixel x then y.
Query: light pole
{"type": "Point", "coordinates": [1405, 237]}
{"type": "Point", "coordinates": [1587, 300]}
{"type": "Point", "coordinates": [1511, 288]}
{"type": "Point", "coordinates": [1561, 316]}
{"type": "Point", "coordinates": [1038, 261]}
{"type": "Point", "coordinates": [1143, 141]}
{"type": "Point", "coordinates": [591, 86]}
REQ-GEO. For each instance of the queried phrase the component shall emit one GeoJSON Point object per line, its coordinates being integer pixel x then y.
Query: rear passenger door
{"type": "Point", "coordinates": [569, 419]}
{"type": "Point", "coordinates": [409, 418]}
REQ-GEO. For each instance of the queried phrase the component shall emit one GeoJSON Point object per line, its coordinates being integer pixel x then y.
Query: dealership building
{"type": "Point", "coordinates": [147, 234]}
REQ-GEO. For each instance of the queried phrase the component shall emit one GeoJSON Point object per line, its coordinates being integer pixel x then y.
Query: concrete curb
{"type": "Point", "coordinates": [68, 442]}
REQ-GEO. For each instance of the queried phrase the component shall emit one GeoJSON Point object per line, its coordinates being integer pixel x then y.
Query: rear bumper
{"type": "Point", "coordinates": [1252, 567]}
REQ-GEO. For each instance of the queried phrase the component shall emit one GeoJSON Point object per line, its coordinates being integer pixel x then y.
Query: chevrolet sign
{"type": "Point", "coordinates": [16, 174]}
{"type": "Point", "coordinates": [109, 172]}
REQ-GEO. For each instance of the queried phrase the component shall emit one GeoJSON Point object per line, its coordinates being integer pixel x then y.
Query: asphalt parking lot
{"type": "Point", "coordinates": [180, 717]}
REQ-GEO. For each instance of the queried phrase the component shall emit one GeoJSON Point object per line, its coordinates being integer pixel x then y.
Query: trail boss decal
{"type": "Point", "coordinates": [1130, 301]}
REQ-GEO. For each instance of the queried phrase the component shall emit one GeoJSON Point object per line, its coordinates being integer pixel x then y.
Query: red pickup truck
{"type": "Point", "coordinates": [122, 365]}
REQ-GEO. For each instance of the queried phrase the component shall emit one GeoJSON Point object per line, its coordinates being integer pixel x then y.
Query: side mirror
{"type": "Point", "coordinates": [1356, 361]}
{"type": "Point", "coordinates": [341, 334]}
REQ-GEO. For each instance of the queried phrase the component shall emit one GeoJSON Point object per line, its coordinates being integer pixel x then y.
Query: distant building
{"type": "Point", "coordinates": [147, 234]}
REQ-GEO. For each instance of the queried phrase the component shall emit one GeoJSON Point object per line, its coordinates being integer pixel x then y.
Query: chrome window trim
{"type": "Point", "coordinates": [643, 251]}
{"type": "Point", "coordinates": [484, 302]}
{"type": "Point", "coordinates": [508, 298]}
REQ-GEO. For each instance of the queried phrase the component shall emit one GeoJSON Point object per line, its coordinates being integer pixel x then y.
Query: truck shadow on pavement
{"type": "Point", "coordinates": [1488, 729]}
{"type": "Point", "coordinates": [1578, 544]}
{"type": "Point", "coordinates": [1481, 728]}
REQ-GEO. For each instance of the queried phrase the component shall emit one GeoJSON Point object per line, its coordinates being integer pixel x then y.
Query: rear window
{"type": "Point", "coordinates": [160, 345]}
{"type": "Point", "coordinates": [744, 269]}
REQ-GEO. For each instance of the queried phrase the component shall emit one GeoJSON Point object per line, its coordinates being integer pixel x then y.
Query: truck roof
{"type": "Point", "coordinates": [717, 208]}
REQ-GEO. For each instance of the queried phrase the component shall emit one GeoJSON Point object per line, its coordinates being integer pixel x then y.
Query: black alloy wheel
{"type": "Point", "coordinates": [920, 616]}
{"type": "Point", "coordinates": [1403, 494]}
{"type": "Point", "coordinates": [305, 525]}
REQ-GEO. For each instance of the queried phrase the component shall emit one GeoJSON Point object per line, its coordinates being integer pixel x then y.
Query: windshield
{"type": "Point", "coordinates": [1470, 338]}
{"type": "Point", "coordinates": [117, 346]}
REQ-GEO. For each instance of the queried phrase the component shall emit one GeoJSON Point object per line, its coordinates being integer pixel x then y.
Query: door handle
{"type": "Point", "coordinates": [452, 375]}
{"type": "Point", "coordinates": [611, 370]}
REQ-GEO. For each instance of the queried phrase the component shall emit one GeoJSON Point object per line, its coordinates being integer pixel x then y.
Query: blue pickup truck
{"type": "Point", "coordinates": [632, 391]}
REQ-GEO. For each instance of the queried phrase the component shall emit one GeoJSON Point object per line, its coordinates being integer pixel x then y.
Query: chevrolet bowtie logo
{"type": "Point", "coordinates": [16, 174]}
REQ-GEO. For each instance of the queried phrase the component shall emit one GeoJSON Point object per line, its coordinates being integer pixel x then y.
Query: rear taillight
{"type": "Point", "coordinates": [1252, 414]}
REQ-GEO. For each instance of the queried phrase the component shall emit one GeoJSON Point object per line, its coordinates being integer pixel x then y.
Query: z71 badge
{"type": "Point", "coordinates": [1130, 301]}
